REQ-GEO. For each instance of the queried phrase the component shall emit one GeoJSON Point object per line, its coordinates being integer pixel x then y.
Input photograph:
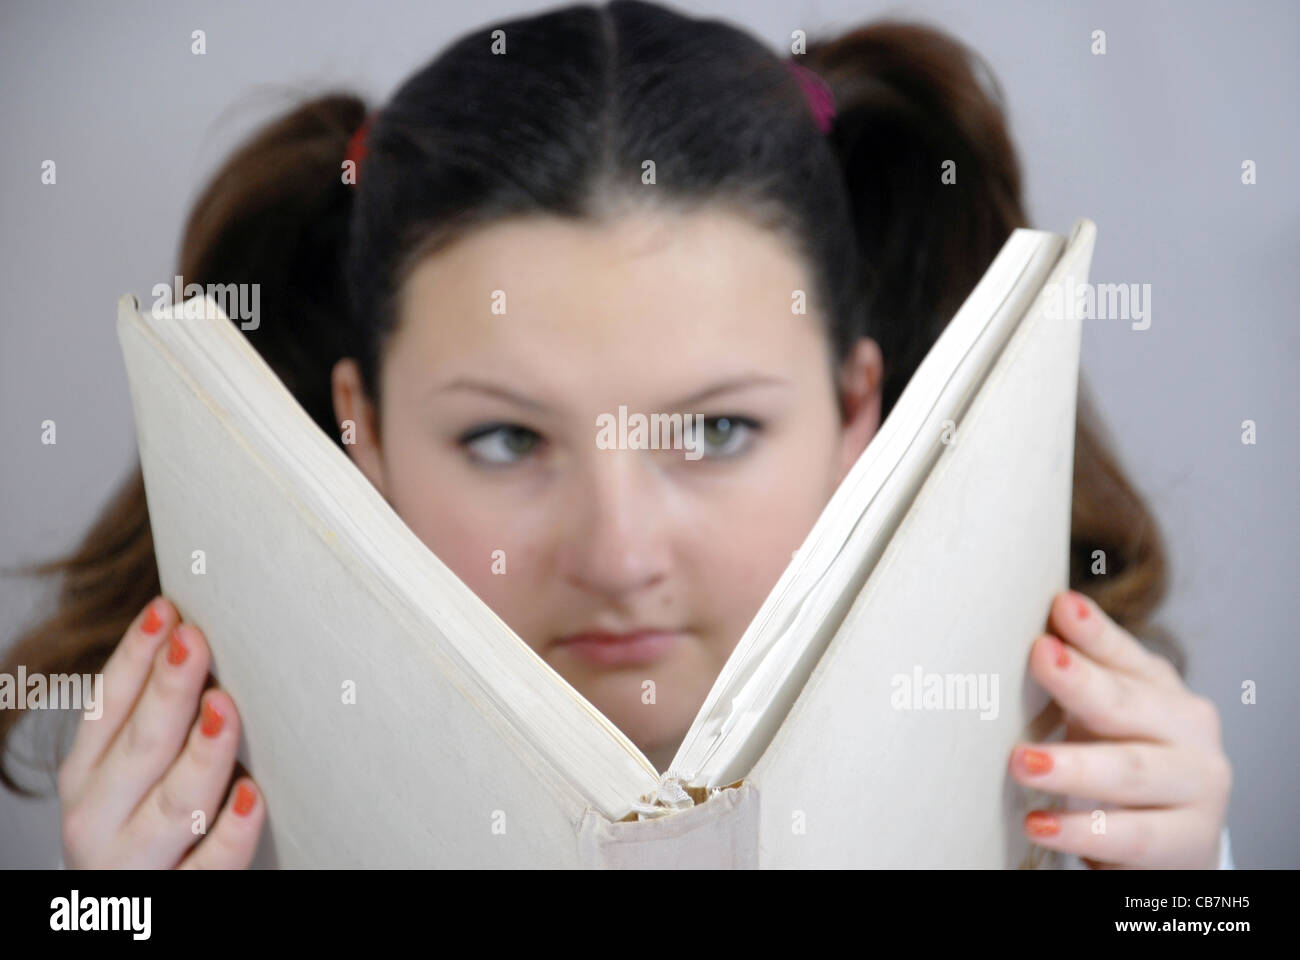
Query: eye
{"type": "Point", "coordinates": [728, 436]}
{"type": "Point", "coordinates": [500, 443]}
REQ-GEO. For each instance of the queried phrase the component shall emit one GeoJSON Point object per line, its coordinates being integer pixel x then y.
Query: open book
{"type": "Point", "coordinates": [865, 717]}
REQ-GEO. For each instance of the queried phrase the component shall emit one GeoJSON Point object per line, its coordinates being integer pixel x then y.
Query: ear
{"type": "Point", "coordinates": [861, 377]}
{"type": "Point", "coordinates": [356, 418]}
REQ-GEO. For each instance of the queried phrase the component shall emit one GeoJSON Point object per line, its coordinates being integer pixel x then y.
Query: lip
{"type": "Point", "coordinates": [605, 649]}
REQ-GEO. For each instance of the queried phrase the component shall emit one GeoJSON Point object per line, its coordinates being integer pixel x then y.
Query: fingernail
{"type": "Point", "coordinates": [210, 724]}
{"type": "Point", "coordinates": [176, 651]}
{"type": "Point", "coordinates": [1035, 761]}
{"type": "Point", "coordinates": [1042, 824]}
{"type": "Point", "coordinates": [1062, 654]}
{"type": "Point", "coordinates": [152, 621]}
{"type": "Point", "coordinates": [1081, 608]}
{"type": "Point", "coordinates": [244, 799]}
{"type": "Point", "coordinates": [1057, 651]}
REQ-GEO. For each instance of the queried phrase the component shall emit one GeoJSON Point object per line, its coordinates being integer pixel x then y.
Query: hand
{"type": "Point", "coordinates": [131, 784]}
{"type": "Point", "coordinates": [1137, 740]}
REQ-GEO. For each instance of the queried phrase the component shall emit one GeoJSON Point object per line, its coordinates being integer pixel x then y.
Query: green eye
{"type": "Point", "coordinates": [728, 436]}
{"type": "Point", "coordinates": [500, 443]}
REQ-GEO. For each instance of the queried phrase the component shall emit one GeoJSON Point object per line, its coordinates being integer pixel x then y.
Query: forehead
{"type": "Point", "coordinates": [631, 295]}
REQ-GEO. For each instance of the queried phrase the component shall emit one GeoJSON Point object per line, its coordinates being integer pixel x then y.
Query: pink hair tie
{"type": "Point", "coordinates": [818, 93]}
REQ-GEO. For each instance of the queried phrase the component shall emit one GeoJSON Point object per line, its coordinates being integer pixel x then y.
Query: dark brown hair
{"type": "Point", "coordinates": [559, 126]}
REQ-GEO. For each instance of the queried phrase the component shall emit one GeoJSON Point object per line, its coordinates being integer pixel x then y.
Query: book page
{"type": "Point", "coordinates": [773, 660]}
{"type": "Point", "coordinates": [368, 735]}
{"type": "Point", "coordinates": [896, 752]}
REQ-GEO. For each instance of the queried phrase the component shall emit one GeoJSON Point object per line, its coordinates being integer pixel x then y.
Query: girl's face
{"type": "Point", "coordinates": [513, 346]}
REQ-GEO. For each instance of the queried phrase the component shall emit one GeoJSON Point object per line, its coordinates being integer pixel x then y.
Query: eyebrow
{"type": "Point", "coordinates": [723, 386]}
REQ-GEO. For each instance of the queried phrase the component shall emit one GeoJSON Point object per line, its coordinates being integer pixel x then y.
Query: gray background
{"type": "Point", "coordinates": [1147, 141]}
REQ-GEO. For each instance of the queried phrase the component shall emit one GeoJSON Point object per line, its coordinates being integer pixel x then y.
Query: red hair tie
{"type": "Point", "coordinates": [357, 144]}
{"type": "Point", "coordinates": [820, 100]}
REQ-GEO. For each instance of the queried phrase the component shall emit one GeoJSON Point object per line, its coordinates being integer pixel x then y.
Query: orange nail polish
{"type": "Point", "coordinates": [151, 620]}
{"type": "Point", "coordinates": [210, 724]}
{"type": "Point", "coordinates": [176, 652]}
{"type": "Point", "coordinates": [1062, 654]}
{"type": "Point", "coordinates": [245, 798]}
{"type": "Point", "coordinates": [1042, 824]}
{"type": "Point", "coordinates": [1035, 761]}
{"type": "Point", "coordinates": [1080, 606]}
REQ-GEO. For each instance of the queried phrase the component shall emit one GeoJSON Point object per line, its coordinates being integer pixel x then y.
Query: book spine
{"type": "Point", "coordinates": [720, 833]}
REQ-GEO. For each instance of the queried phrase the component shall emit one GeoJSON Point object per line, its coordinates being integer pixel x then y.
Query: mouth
{"type": "Point", "coordinates": [605, 649]}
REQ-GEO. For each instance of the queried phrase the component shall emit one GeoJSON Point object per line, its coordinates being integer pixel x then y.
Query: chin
{"type": "Point", "coordinates": [651, 726]}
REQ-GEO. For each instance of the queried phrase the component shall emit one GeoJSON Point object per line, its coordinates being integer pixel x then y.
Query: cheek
{"type": "Point", "coordinates": [752, 536]}
{"type": "Point", "coordinates": [473, 530]}
{"type": "Point", "coordinates": [447, 515]}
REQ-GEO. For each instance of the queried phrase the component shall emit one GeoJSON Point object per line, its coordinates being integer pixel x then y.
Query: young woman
{"type": "Point", "coordinates": [606, 206]}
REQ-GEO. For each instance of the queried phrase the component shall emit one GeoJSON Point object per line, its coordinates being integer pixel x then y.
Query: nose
{"type": "Point", "coordinates": [616, 529]}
